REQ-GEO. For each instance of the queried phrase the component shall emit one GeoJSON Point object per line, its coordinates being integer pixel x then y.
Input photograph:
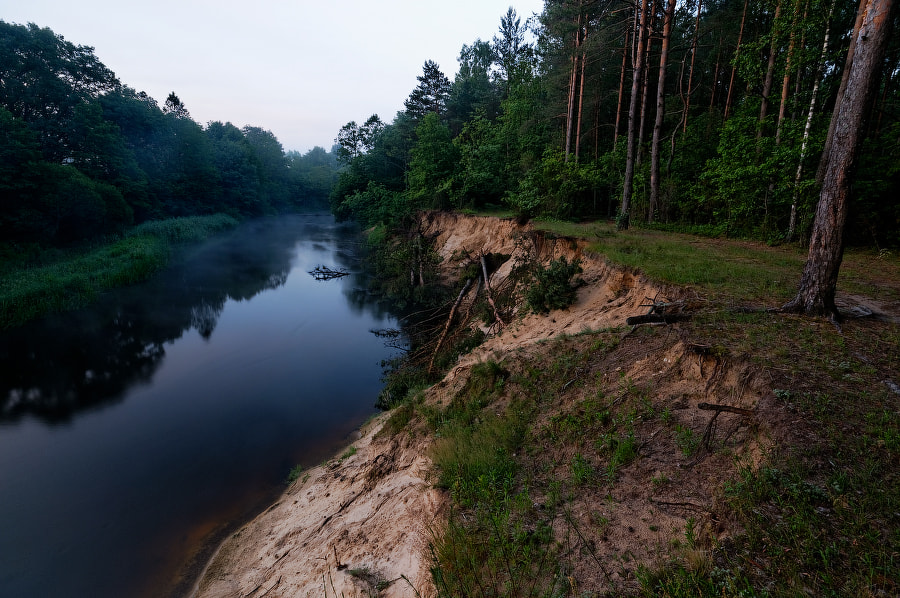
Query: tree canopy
{"type": "Point", "coordinates": [708, 116]}
{"type": "Point", "coordinates": [84, 155]}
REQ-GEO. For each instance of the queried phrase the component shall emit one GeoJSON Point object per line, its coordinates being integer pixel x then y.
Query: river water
{"type": "Point", "coordinates": [136, 433]}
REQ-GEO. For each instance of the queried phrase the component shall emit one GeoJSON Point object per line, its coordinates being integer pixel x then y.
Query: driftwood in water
{"type": "Point", "coordinates": [326, 273]}
{"type": "Point", "coordinates": [440, 342]}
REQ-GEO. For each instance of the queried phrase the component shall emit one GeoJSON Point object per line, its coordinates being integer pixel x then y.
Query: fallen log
{"type": "Point", "coordinates": [440, 342]}
{"type": "Point", "coordinates": [656, 319]}
{"type": "Point", "coordinates": [490, 298]}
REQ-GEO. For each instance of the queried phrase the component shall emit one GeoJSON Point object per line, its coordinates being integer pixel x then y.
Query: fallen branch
{"type": "Point", "coordinates": [440, 342]}
{"type": "Point", "coordinates": [685, 505]}
{"type": "Point", "coordinates": [656, 319]}
{"type": "Point", "coordinates": [719, 408]}
{"type": "Point", "coordinates": [487, 286]}
{"type": "Point", "coordinates": [656, 314]}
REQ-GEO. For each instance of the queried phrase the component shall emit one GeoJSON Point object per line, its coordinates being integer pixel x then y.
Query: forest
{"type": "Point", "coordinates": [83, 157]}
{"type": "Point", "coordinates": [709, 117]}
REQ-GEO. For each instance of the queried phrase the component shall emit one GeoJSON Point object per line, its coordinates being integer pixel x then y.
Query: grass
{"type": "Point", "coordinates": [75, 280]}
{"type": "Point", "coordinates": [729, 270]}
{"type": "Point", "coordinates": [294, 474]}
{"type": "Point", "coordinates": [499, 537]}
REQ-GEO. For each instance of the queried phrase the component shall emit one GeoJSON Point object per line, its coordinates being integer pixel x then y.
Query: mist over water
{"type": "Point", "coordinates": [133, 432]}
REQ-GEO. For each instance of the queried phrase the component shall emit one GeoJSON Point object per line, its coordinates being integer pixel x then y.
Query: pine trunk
{"type": "Point", "coordinates": [627, 187]}
{"type": "Point", "coordinates": [786, 80]}
{"type": "Point", "coordinates": [848, 64]}
{"type": "Point", "coordinates": [737, 52]}
{"type": "Point", "coordinates": [660, 110]}
{"type": "Point", "coordinates": [580, 97]}
{"type": "Point", "coordinates": [792, 225]}
{"type": "Point", "coordinates": [826, 249]}
{"type": "Point", "coordinates": [770, 71]}
{"type": "Point", "coordinates": [645, 84]}
{"type": "Point", "coordinates": [687, 101]}
{"type": "Point", "coordinates": [621, 87]}
{"type": "Point", "coordinates": [573, 84]}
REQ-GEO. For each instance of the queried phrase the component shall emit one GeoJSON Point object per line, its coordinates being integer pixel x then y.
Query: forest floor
{"type": "Point", "coordinates": [623, 480]}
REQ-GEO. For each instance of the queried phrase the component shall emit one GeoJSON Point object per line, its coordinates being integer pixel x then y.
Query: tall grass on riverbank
{"type": "Point", "coordinates": [184, 230]}
{"type": "Point", "coordinates": [72, 282]}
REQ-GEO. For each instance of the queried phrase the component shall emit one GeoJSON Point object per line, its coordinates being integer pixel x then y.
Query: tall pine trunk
{"type": "Point", "coordinates": [645, 84]}
{"type": "Point", "coordinates": [737, 52]}
{"type": "Point", "coordinates": [786, 80]}
{"type": "Point", "coordinates": [770, 72]}
{"type": "Point", "coordinates": [826, 248]}
{"type": "Point", "coordinates": [687, 101]}
{"type": "Point", "coordinates": [581, 94]}
{"type": "Point", "coordinates": [660, 109]}
{"type": "Point", "coordinates": [571, 108]}
{"type": "Point", "coordinates": [621, 86]}
{"type": "Point", "coordinates": [848, 63]}
{"type": "Point", "coordinates": [638, 75]}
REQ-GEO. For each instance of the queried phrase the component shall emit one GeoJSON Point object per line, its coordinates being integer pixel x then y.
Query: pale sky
{"type": "Point", "coordinates": [299, 68]}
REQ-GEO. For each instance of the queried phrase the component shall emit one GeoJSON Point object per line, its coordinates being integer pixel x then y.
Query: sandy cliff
{"type": "Point", "coordinates": [361, 523]}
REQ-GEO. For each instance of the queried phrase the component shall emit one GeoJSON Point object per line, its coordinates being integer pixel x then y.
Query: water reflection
{"type": "Point", "coordinates": [62, 364]}
{"type": "Point", "coordinates": [184, 403]}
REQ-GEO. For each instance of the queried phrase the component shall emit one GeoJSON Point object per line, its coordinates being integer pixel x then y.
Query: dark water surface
{"type": "Point", "coordinates": [133, 433]}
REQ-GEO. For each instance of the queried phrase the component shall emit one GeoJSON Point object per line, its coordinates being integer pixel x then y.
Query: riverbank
{"type": "Point", "coordinates": [75, 279]}
{"type": "Point", "coordinates": [628, 472]}
{"type": "Point", "coordinates": [360, 522]}
{"type": "Point", "coordinates": [363, 522]}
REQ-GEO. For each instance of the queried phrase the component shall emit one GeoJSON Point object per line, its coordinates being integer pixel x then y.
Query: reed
{"type": "Point", "coordinates": [73, 281]}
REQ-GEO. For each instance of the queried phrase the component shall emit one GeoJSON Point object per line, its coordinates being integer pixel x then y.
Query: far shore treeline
{"type": "Point", "coordinates": [83, 157]}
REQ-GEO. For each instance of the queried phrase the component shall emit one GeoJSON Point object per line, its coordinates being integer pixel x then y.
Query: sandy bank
{"type": "Point", "coordinates": [359, 522]}
{"type": "Point", "coordinates": [363, 522]}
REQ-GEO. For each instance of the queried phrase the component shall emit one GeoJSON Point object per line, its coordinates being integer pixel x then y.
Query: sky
{"type": "Point", "coordinates": [299, 68]}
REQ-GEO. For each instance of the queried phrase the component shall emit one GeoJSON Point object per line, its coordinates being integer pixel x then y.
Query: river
{"type": "Point", "coordinates": [134, 434]}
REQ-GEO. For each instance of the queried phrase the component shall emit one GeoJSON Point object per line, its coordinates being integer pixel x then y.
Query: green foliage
{"type": "Point", "coordinates": [495, 538]}
{"type": "Point", "coordinates": [557, 188]}
{"type": "Point", "coordinates": [432, 161]}
{"type": "Point", "coordinates": [686, 440]}
{"type": "Point", "coordinates": [404, 263]}
{"type": "Point", "coordinates": [294, 474]}
{"type": "Point", "coordinates": [553, 286]}
{"type": "Point", "coordinates": [184, 230]}
{"type": "Point", "coordinates": [32, 292]}
{"type": "Point", "coordinates": [84, 156]}
{"type": "Point", "coordinates": [430, 95]}
{"type": "Point", "coordinates": [736, 271]}
{"type": "Point", "coordinates": [479, 178]}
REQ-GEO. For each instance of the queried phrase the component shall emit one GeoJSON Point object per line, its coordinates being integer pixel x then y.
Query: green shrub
{"type": "Point", "coordinates": [553, 286]}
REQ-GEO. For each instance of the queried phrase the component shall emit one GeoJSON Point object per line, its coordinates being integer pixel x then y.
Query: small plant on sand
{"type": "Point", "coordinates": [553, 287]}
{"type": "Point", "coordinates": [294, 474]}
